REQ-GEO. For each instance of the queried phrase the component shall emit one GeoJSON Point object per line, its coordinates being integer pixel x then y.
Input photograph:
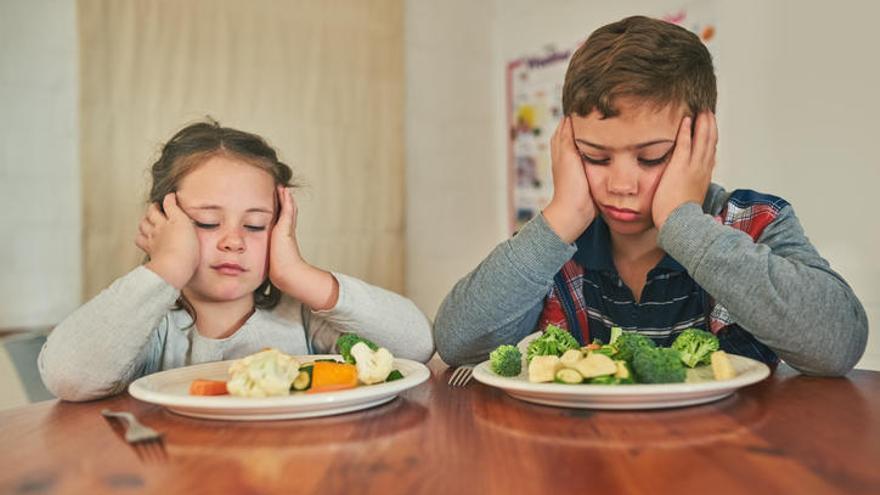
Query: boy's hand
{"type": "Point", "coordinates": [686, 178]}
{"type": "Point", "coordinates": [170, 240]}
{"type": "Point", "coordinates": [289, 272]}
{"type": "Point", "coordinates": [571, 210]}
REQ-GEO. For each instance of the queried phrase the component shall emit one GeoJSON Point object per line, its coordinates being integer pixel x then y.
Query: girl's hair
{"type": "Point", "coordinates": [649, 59]}
{"type": "Point", "coordinates": [194, 145]}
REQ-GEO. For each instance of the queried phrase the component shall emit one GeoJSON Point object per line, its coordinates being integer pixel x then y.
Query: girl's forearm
{"type": "Point", "coordinates": [314, 287]}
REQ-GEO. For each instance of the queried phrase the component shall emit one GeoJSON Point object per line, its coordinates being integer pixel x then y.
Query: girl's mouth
{"type": "Point", "coordinates": [229, 269]}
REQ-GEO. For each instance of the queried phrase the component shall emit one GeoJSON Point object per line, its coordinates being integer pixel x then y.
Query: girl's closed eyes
{"type": "Point", "coordinates": [650, 162]}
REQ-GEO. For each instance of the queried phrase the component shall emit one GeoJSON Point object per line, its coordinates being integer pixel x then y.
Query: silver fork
{"type": "Point", "coordinates": [461, 376]}
{"type": "Point", "coordinates": [147, 442]}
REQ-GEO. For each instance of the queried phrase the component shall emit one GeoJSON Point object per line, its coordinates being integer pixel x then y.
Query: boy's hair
{"type": "Point", "coordinates": [194, 145]}
{"type": "Point", "coordinates": [648, 59]}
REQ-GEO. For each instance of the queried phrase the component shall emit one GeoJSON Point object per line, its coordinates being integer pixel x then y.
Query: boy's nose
{"type": "Point", "coordinates": [622, 182]}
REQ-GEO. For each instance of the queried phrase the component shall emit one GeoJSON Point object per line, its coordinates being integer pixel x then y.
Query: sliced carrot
{"type": "Point", "coordinates": [327, 376]}
{"type": "Point", "coordinates": [207, 387]}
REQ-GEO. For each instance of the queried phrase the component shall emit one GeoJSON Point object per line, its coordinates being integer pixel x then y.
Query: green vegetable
{"type": "Point", "coordinates": [506, 360]}
{"type": "Point", "coordinates": [616, 332]}
{"type": "Point", "coordinates": [604, 380]}
{"type": "Point", "coordinates": [394, 375]}
{"type": "Point", "coordinates": [568, 376]}
{"type": "Point", "coordinates": [346, 341]}
{"type": "Point", "coordinates": [629, 342]}
{"type": "Point", "coordinates": [553, 342]}
{"type": "Point", "coordinates": [658, 365]}
{"type": "Point", "coordinates": [608, 350]}
{"type": "Point", "coordinates": [695, 346]}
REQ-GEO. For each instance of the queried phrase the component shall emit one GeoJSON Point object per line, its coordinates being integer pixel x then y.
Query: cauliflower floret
{"type": "Point", "coordinates": [264, 374]}
{"type": "Point", "coordinates": [372, 366]}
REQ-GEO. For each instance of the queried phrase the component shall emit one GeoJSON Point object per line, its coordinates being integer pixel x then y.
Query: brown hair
{"type": "Point", "coordinates": [195, 144]}
{"type": "Point", "coordinates": [649, 59]}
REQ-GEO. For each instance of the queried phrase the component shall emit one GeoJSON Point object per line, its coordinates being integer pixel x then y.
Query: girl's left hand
{"type": "Point", "coordinates": [314, 287]}
{"type": "Point", "coordinates": [687, 177]}
{"type": "Point", "coordinates": [284, 255]}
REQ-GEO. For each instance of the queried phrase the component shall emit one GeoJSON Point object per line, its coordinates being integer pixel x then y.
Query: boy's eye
{"type": "Point", "coordinates": [655, 161]}
{"type": "Point", "coordinates": [255, 228]}
{"type": "Point", "coordinates": [207, 226]}
{"type": "Point", "coordinates": [594, 161]}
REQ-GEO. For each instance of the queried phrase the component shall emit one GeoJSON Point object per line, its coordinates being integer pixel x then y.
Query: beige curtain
{"type": "Point", "coordinates": [321, 80]}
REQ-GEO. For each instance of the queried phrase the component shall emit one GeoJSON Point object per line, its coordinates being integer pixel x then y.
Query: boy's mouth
{"type": "Point", "coordinates": [620, 214]}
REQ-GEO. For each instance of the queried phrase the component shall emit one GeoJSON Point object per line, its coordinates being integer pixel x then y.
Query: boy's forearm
{"type": "Point", "coordinates": [779, 289]}
{"type": "Point", "coordinates": [500, 301]}
{"type": "Point", "coordinates": [96, 349]}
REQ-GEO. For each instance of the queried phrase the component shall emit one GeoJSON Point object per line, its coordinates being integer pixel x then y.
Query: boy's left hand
{"type": "Point", "coordinates": [687, 177]}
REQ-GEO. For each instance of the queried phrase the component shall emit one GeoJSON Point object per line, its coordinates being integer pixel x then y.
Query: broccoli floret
{"type": "Point", "coordinates": [695, 346]}
{"type": "Point", "coordinates": [658, 365]}
{"type": "Point", "coordinates": [629, 342]}
{"type": "Point", "coordinates": [346, 341]}
{"type": "Point", "coordinates": [394, 375]}
{"type": "Point", "coordinates": [553, 342]}
{"type": "Point", "coordinates": [506, 360]}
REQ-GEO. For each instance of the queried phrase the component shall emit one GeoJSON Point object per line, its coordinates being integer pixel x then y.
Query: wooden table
{"type": "Point", "coordinates": [790, 434]}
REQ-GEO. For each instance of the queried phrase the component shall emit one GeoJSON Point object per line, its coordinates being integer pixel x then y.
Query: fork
{"type": "Point", "coordinates": [147, 442]}
{"type": "Point", "coordinates": [461, 376]}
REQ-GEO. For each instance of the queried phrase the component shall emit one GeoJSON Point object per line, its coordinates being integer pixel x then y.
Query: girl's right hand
{"type": "Point", "coordinates": [171, 242]}
{"type": "Point", "coordinates": [571, 210]}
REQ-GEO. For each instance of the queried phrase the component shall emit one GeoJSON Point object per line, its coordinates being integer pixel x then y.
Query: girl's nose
{"type": "Point", "coordinates": [232, 241]}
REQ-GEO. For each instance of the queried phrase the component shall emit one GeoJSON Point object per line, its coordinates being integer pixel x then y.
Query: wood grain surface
{"type": "Point", "coordinates": [788, 434]}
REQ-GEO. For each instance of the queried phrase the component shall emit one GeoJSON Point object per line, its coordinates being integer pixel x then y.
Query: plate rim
{"type": "Point", "coordinates": [649, 391]}
{"type": "Point", "coordinates": [231, 407]}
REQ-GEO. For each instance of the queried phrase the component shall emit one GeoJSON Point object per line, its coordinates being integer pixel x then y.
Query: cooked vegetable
{"type": "Point", "coordinates": [207, 387]}
{"type": "Point", "coordinates": [595, 364]}
{"type": "Point", "coordinates": [506, 360]}
{"type": "Point", "coordinates": [629, 342]}
{"type": "Point", "coordinates": [346, 341]}
{"type": "Point", "coordinates": [568, 376]}
{"type": "Point", "coordinates": [722, 368]}
{"type": "Point", "coordinates": [695, 346]}
{"type": "Point", "coordinates": [333, 376]}
{"type": "Point", "coordinates": [394, 375]}
{"type": "Point", "coordinates": [264, 374]}
{"type": "Point", "coordinates": [373, 366]}
{"type": "Point", "coordinates": [616, 332]}
{"type": "Point", "coordinates": [303, 380]}
{"type": "Point", "coordinates": [553, 342]}
{"type": "Point", "coordinates": [543, 368]}
{"type": "Point", "coordinates": [623, 372]}
{"type": "Point", "coordinates": [570, 357]}
{"type": "Point", "coordinates": [658, 365]}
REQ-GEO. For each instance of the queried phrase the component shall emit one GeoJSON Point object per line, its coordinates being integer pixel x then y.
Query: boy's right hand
{"type": "Point", "coordinates": [171, 242]}
{"type": "Point", "coordinates": [571, 210]}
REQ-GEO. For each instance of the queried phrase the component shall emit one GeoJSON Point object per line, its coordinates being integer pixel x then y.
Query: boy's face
{"type": "Point", "coordinates": [624, 158]}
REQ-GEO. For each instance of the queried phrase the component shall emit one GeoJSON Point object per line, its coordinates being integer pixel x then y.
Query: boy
{"type": "Point", "coordinates": [637, 236]}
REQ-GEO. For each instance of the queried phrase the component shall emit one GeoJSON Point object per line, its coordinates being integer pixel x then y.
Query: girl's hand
{"type": "Point", "coordinates": [686, 178]}
{"type": "Point", "coordinates": [571, 210]}
{"type": "Point", "coordinates": [314, 287]}
{"type": "Point", "coordinates": [170, 240]}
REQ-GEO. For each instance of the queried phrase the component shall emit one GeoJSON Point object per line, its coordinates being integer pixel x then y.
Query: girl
{"type": "Point", "coordinates": [224, 278]}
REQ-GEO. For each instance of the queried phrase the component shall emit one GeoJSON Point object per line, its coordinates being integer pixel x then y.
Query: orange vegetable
{"type": "Point", "coordinates": [327, 376]}
{"type": "Point", "coordinates": [593, 347]}
{"type": "Point", "coordinates": [207, 387]}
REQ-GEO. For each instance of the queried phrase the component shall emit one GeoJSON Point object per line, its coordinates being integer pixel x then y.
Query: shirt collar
{"type": "Point", "coordinates": [594, 250]}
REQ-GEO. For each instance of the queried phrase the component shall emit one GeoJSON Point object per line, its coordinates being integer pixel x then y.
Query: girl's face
{"type": "Point", "coordinates": [232, 204]}
{"type": "Point", "coordinates": [624, 158]}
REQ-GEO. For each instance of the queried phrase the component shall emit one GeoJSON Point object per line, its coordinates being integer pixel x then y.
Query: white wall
{"type": "Point", "coordinates": [798, 109]}
{"type": "Point", "coordinates": [39, 172]}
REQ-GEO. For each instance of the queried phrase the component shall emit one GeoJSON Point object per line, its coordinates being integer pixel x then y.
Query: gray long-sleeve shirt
{"type": "Point", "coordinates": [127, 331]}
{"type": "Point", "coordinates": [779, 288]}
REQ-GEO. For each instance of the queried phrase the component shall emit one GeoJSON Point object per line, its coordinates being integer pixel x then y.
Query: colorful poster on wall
{"type": "Point", "coordinates": [534, 107]}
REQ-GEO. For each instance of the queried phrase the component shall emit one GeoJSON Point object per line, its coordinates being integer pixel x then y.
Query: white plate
{"type": "Point", "coordinates": [699, 388]}
{"type": "Point", "coordinates": [171, 390]}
